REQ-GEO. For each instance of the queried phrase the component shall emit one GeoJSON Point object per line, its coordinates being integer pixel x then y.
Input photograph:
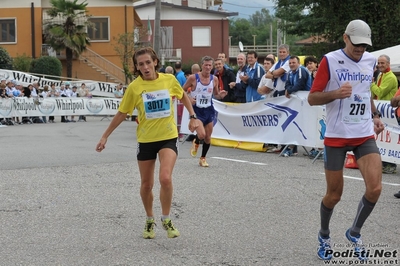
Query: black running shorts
{"type": "Point", "coordinates": [149, 151]}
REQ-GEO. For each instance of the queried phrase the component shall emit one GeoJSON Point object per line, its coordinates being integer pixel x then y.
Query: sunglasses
{"type": "Point", "coordinates": [362, 45]}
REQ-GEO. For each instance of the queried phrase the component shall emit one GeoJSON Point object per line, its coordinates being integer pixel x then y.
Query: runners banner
{"type": "Point", "coordinates": [96, 88]}
{"type": "Point", "coordinates": [274, 120]}
{"type": "Point", "coordinates": [65, 106]}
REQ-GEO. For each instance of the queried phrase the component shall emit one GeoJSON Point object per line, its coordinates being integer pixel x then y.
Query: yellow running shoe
{"type": "Point", "coordinates": [148, 232]}
{"type": "Point", "coordinates": [195, 147]}
{"type": "Point", "coordinates": [171, 230]}
{"type": "Point", "coordinates": [203, 162]}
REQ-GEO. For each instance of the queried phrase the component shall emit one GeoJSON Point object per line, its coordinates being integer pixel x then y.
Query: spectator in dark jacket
{"type": "Point", "coordinates": [239, 87]}
{"type": "Point", "coordinates": [27, 91]}
{"type": "Point", "coordinates": [311, 63]}
{"type": "Point", "coordinates": [225, 76]}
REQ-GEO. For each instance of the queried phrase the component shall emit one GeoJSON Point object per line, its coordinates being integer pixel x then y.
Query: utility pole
{"type": "Point", "coordinates": [157, 26]}
{"type": "Point", "coordinates": [254, 42]}
{"type": "Point", "coordinates": [272, 40]}
{"type": "Point", "coordinates": [278, 35]}
{"type": "Point", "coordinates": [284, 33]}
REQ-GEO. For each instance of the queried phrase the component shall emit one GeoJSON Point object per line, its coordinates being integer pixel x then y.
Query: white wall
{"type": "Point", "coordinates": [46, 3]}
{"type": "Point", "coordinates": [191, 3]}
{"type": "Point", "coordinates": [175, 14]}
{"type": "Point", "coordinates": [19, 3]}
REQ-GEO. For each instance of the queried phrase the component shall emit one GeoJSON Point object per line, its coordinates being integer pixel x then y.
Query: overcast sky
{"type": "Point", "coordinates": [246, 8]}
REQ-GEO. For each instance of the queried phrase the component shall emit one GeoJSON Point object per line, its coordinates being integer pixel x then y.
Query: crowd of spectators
{"type": "Point", "coordinates": [280, 77]}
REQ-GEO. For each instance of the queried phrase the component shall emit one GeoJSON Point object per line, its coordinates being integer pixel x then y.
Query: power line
{"type": "Point", "coordinates": [243, 14]}
{"type": "Point", "coordinates": [269, 7]}
{"type": "Point", "coordinates": [224, 2]}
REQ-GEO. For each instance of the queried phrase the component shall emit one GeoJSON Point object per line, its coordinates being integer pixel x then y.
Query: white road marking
{"type": "Point", "coordinates": [361, 179]}
{"type": "Point", "coordinates": [239, 161]}
{"type": "Point", "coordinates": [346, 176]}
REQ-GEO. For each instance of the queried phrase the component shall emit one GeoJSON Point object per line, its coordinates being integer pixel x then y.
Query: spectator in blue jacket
{"type": "Point", "coordinates": [299, 78]}
{"type": "Point", "coordinates": [180, 75]}
{"type": "Point", "coordinates": [252, 77]}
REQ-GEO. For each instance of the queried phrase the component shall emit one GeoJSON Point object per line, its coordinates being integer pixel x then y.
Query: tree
{"type": "Point", "coordinates": [261, 22]}
{"type": "Point", "coordinates": [22, 63]}
{"type": "Point", "coordinates": [125, 48]}
{"type": "Point", "coordinates": [261, 18]}
{"type": "Point", "coordinates": [5, 59]}
{"type": "Point", "coordinates": [46, 65]}
{"type": "Point", "coordinates": [66, 30]}
{"type": "Point", "coordinates": [239, 30]}
{"type": "Point", "coordinates": [329, 18]}
{"type": "Point", "coordinates": [257, 29]}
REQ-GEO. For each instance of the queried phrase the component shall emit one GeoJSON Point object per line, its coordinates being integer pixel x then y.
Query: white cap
{"type": "Point", "coordinates": [359, 32]}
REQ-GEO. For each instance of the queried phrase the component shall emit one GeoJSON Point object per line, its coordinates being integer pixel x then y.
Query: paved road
{"type": "Point", "coordinates": [62, 203]}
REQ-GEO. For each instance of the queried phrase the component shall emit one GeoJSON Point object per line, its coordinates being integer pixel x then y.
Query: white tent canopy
{"type": "Point", "coordinates": [394, 54]}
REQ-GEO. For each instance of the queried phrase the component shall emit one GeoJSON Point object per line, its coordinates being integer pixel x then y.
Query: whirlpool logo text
{"type": "Point", "coordinates": [362, 76]}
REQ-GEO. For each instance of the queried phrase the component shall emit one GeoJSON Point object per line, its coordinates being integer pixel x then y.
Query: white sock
{"type": "Point", "coordinates": [163, 217]}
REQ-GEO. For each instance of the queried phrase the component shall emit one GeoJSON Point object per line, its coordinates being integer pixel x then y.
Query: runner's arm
{"type": "Point", "coordinates": [318, 95]}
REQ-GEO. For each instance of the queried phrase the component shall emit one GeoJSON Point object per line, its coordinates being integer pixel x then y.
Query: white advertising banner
{"type": "Point", "coordinates": [273, 120]}
{"type": "Point", "coordinates": [96, 88]}
{"type": "Point", "coordinates": [27, 107]}
{"type": "Point", "coordinates": [389, 140]}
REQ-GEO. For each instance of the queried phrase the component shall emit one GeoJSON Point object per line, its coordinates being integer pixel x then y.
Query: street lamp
{"type": "Point", "coordinates": [254, 42]}
{"type": "Point", "coordinates": [230, 44]}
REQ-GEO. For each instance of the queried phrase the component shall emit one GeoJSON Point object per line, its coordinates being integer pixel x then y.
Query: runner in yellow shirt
{"type": "Point", "coordinates": [151, 95]}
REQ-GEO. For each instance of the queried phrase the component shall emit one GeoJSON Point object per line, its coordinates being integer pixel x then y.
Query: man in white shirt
{"type": "Point", "coordinates": [266, 86]}
{"type": "Point", "coordinates": [63, 93]}
{"type": "Point", "coordinates": [68, 90]}
{"type": "Point", "coordinates": [278, 72]}
{"type": "Point", "coordinates": [35, 89]}
{"type": "Point", "coordinates": [74, 94]}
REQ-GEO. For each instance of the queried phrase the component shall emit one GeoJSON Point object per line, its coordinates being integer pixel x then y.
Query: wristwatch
{"type": "Point", "coordinates": [376, 113]}
{"type": "Point", "coordinates": [193, 116]}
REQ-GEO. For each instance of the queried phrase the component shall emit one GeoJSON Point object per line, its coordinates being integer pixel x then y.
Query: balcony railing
{"type": "Point", "coordinates": [262, 50]}
{"type": "Point", "coordinates": [171, 55]}
{"type": "Point", "coordinates": [91, 58]}
{"type": "Point", "coordinates": [107, 67]}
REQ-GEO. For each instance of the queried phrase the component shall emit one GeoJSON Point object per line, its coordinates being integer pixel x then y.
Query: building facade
{"type": "Point", "coordinates": [21, 25]}
{"type": "Point", "coordinates": [189, 29]}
